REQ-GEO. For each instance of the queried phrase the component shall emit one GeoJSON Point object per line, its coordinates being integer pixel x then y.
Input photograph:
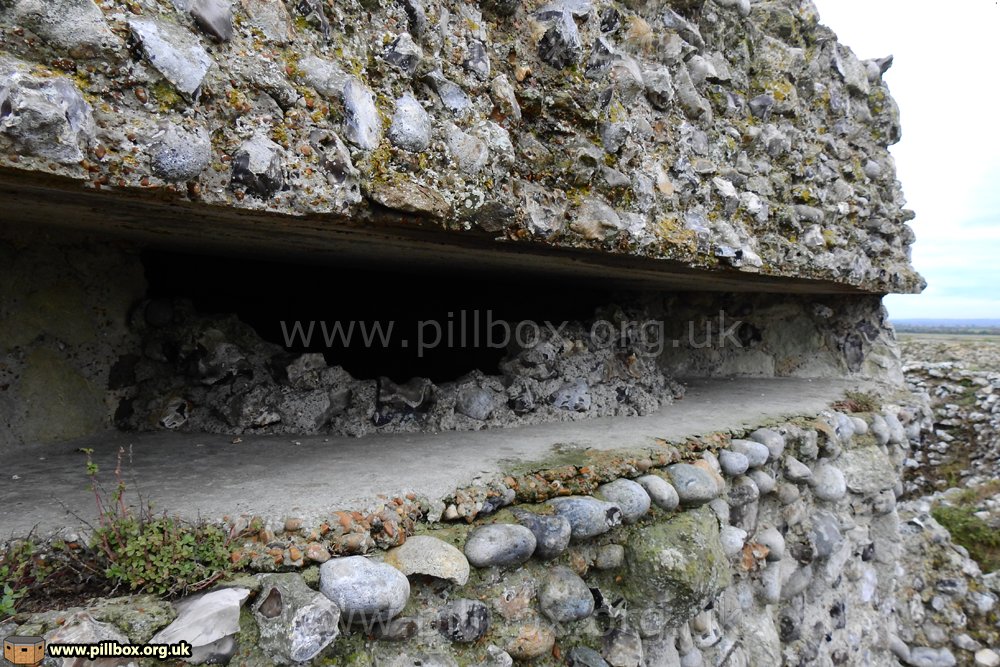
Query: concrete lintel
{"type": "Point", "coordinates": [388, 237]}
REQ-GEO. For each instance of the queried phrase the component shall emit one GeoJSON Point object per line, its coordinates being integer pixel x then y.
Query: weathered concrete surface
{"type": "Point", "coordinates": [63, 325]}
{"type": "Point", "coordinates": [709, 133]}
{"type": "Point", "coordinates": [399, 239]}
{"type": "Point", "coordinates": [209, 476]}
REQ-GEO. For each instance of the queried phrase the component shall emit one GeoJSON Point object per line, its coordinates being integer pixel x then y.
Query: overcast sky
{"type": "Point", "coordinates": [946, 78]}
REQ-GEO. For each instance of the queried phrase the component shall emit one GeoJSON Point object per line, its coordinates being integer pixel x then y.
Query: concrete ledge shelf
{"type": "Point", "coordinates": [208, 476]}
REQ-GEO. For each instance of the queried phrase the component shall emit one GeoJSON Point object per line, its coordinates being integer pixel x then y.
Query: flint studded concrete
{"type": "Point", "coordinates": [209, 476]}
{"type": "Point", "coordinates": [399, 242]}
{"type": "Point", "coordinates": [705, 174]}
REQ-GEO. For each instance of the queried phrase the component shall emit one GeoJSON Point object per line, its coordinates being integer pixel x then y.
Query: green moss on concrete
{"type": "Point", "coordinates": [58, 311]}
{"type": "Point", "coordinates": [247, 654]}
{"type": "Point", "coordinates": [676, 566]}
{"type": "Point", "coordinates": [59, 403]}
{"type": "Point", "coordinates": [138, 616]}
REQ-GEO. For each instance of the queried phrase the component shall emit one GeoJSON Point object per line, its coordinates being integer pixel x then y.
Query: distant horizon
{"type": "Point", "coordinates": [950, 326]}
{"type": "Point", "coordinates": [972, 322]}
{"type": "Point", "coordinates": [948, 160]}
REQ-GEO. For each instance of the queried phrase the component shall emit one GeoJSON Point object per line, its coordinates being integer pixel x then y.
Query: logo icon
{"type": "Point", "coordinates": [24, 650]}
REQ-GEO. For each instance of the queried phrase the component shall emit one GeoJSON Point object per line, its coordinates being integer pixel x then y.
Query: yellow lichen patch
{"type": "Point", "coordinates": [672, 230]}
{"type": "Point", "coordinates": [379, 163]}
{"type": "Point", "coordinates": [382, 104]}
{"type": "Point", "coordinates": [617, 112]}
{"type": "Point", "coordinates": [876, 100]}
{"type": "Point", "coordinates": [803, 194]}
{"type": "Point", "coordinates": [780, 89]}
{"type": "Point", "coordinates": [292, 58]}
{"type": "Point", "coordinates": [279, 134]}
{"type": "Point", "coordinates": [356, 67]}
{"type": "Point", "coordinates": [576, 195]}
{"type": "Point", "coordinates": [238, 100]}
{"type": "Point", "coordinates": [166, 95]}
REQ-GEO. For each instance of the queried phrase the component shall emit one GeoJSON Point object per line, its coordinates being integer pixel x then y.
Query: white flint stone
{"type": "Point", "coordinates": [205, 621]}
{"type": "Point", "coordinates": [175, 53]}
{"type": "Point", "coordinates": [411, 125]}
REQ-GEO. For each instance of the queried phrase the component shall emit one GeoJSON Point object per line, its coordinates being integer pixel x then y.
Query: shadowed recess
{"type": "Point", "coordinates": [408, 308]}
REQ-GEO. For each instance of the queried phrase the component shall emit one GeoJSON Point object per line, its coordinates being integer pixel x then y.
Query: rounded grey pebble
{"type": "Point", "coordinates": [732, 540]}
{"type": "Point", "coordinates": [843, 426]}
{"type": "Point", "coordinates": [609, 557]}
{"type": "Point", "coordinates": [773, 440]}
{"type": "Point", "coordinates": [660, 492]}
{"type": "Point", "coordinates": [743, 492]}
{"type": "Point", "coordinates": [829, 483]}
{"type": "Point", "coordinates": [180, 155]}
{"type": "Point", "coordinates": [733, 463]}
{"type": "Point", "coordinates": [774, 541]}
{"type": "Point", "coordinates": [499, 545]}
{"type": "Point", "coordinates": [763, 480]}
{"type": "Point", "coordinates": [363, 589]}
{"type": "Point", "coordinates": [463, 620]}
{"type": "Point", "coordinates": [788, 493]}
{"type": "Point", "coordinates": [588, 517]}
{"type": "Point", "coordinates": [756, 453]}
{"type": "Point", "coordinates": [552, 533]}
{"type": "Point", "coordinates": [475, 402]}
{"type": "Point", "coordinates": [694, 485]}
{"type": "Point", "coordinates": [797, 471]}
{"type": "Point", "coordinates": [880, 429]}
{"type": "Point", "coordinates": [987, 657]}
{"type": "Point", "coordinates": [629, 496]}
{"type": "Point", "coordinates": [897, 434]}
{"type": "Point", "coordinates": [429, 556]}
{"type": "Point", "coordinates": [564, 597]}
